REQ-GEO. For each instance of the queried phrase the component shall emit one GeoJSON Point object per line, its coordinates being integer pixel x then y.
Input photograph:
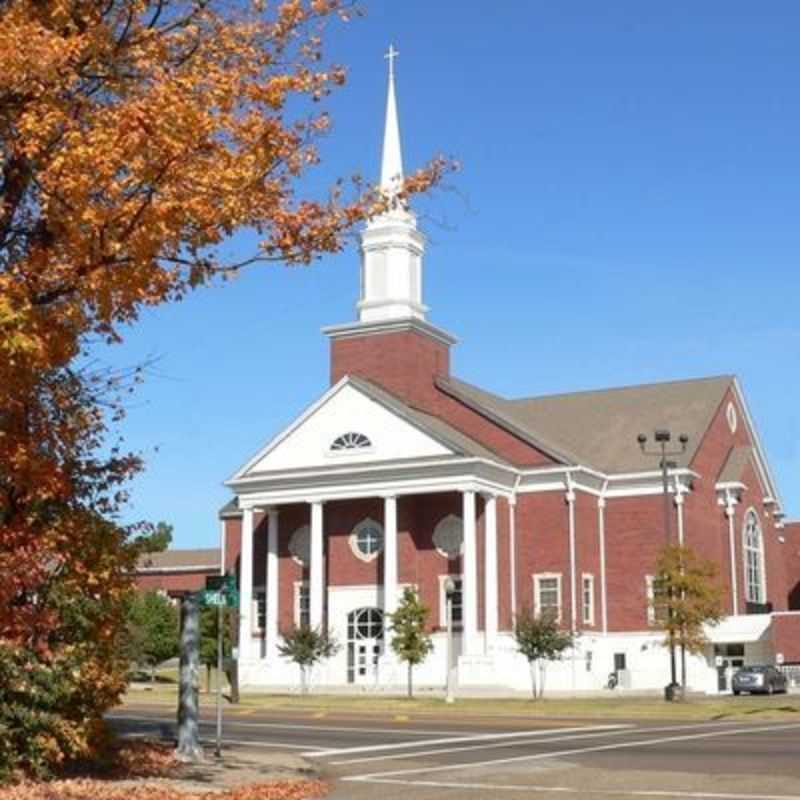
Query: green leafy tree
{"type": "Point", "coordinates": [540, 639]}
{"type": "Point", "coordinates": [153, 627]}
{"type": "Point", "coordinates": [209, 628]}
{"type": "Point", "coordinates": [307, 646]}
{"type": "Point", "coordinates": [686, 598]}
{"type": "Point", "coordinates": [411, 641]}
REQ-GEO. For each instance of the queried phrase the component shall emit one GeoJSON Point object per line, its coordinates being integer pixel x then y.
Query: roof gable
{"type": "Point", "coordinates": [386, 429]}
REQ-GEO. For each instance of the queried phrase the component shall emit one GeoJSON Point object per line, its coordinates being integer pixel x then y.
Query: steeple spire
{"type": "Point", "coordinates": [392, 163]}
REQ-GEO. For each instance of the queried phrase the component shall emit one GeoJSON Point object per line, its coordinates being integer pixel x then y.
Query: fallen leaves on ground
{"type": "Point", "coordinates": [99, 790]}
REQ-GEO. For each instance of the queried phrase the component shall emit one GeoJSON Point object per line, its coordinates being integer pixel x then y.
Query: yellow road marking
{"type": "Point", "coordinates": [401, 718]}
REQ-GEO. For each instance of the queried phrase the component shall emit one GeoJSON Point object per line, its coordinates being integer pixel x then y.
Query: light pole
{"type": "Point", "coordinates": [449, 591]}
{"type": "Point", "coordinates": [662, 438]}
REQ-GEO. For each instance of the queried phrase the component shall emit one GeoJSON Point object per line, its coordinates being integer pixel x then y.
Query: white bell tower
{"type": "Point", "coordinates": [391, 246]}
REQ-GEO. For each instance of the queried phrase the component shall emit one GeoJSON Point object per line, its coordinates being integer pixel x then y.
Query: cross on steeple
{"type": "Point", "coordinates": [391, 55]}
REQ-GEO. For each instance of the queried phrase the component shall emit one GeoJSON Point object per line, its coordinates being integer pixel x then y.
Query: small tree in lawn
{"type": "Point", "coordinates": [153, 630]}
{"type": "Point", "coordinates": [307, 646]}
{"type": "Point", "coordinates": [411, 642]}
{"type": "Point", "coordinates": [540, 640]}
{"type": "Point", "coordinates": [686, 598]}
{"type": "Point", "coordinates": [208, 640]}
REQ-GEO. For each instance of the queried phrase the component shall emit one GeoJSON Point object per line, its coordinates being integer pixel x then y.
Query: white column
{"type": "Point", "coordinates": [317, 567]}
{"type": "Point", "coordinates": [272, 586]}
{"type": "Point", "coordinates": [601, 528]}
{"type": "Point", "coordinates": [679, 505]}
{"type": "Point", "coordinates": [573, 577]}
{"type": "Point", "coordinates": [246, 587]}
{"type": "Point", "coordinates": [490, 572]}
{"type": "Point", "coordinates": [470, 576]}
{"type": "Point", "coordinates": [512, 552]}
{"type": "Point", "coordinates": [730, 513]}
{"type": "Point", "coordinates": [389, 555]}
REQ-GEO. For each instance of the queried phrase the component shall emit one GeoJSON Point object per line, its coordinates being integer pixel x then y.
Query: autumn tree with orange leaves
{"type": "Point", "coordinates": [135, 137]}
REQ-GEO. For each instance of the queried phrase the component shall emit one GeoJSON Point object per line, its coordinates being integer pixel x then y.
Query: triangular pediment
{"type": "Point", "coordinates": [346, 426]}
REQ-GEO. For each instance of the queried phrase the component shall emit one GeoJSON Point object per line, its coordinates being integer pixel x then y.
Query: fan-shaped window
{"type": "Point", "coordinates": [753, 558]}
{"type": "Point", "coordinates": [350, 441]}
{"type": "Point", "coordinates": [448, 536]}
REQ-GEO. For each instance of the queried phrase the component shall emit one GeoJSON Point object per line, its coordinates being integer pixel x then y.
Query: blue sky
{"type": "Point", "coordinates": [628, 210]}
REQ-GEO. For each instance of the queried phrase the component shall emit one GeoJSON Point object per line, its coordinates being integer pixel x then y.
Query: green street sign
{"type": "Point", "coordinates": [221, 583]}
{"type": "Point", "coordinates": [216, 599]}
{"type": "Point", "coordinates": [208, 598]}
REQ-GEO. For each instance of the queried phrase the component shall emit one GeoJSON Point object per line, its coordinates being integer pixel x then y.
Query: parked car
{"type": "Point", "coordinates": [760, 680]}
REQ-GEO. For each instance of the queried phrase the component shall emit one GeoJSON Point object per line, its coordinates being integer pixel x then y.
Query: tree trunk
{"type": "Point", "coordinates": [542, 669]}
{"type": "Point", "coordinates": [532, 667]}
{"type": "Point", "coordinates": [303, 680]}
{"type": "Point", "coordinates": [208, 678]}
{"type": "Point", "coordinates": [410, 686]}
{"type": "Point", "coordinates": [153, 673]}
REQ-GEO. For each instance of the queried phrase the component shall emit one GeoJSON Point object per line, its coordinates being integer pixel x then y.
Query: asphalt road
{"type": "Point", "coordinates": [425, 757]}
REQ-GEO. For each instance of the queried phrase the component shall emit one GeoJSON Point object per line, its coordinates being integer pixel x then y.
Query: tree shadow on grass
{"type": "Point", "coordinates": [756, 711]}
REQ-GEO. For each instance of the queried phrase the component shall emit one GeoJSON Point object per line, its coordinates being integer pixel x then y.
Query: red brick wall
{"type": "Point", "coordinates": [407, 364]}
{"type": "Point", "coordinates": [634, 536]}
{"type": "Point", "coordinates": [791, 533]}
{"type": "Point", "coordinates": [542, 545]}
{"type": "Point", "coordinates": [587, 555]}
{"type": "Point", "coordinates": [173, 583]}
{"type": "Point", "coordinates": [706, 524]}
{"type": "Point", "coordinates": [786, 636]}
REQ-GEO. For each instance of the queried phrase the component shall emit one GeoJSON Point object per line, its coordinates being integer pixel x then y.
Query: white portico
{"type": "Point", "coordinates": [394, 458]}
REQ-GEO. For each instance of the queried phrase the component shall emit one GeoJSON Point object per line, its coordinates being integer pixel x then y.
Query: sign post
{"type": "Point", "coordinates": [220, 593]}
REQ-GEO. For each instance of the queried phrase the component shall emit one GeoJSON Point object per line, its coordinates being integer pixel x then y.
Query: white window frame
{"type": "Point", "coordinates": [537, 579]}
{"type": "Point", "coordinates": [759, 553]}
{"type": "Point", "coordinates": [298, 587]}
{"type": "Point", "coordinates": [353, 539]}
{"type": "Point", "coordinates": [587, 619]}
{"type": "Point", "coordinates": [443, 602]}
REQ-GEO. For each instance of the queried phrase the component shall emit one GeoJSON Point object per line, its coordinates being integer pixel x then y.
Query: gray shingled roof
{"type": "Point", "coordinates": [737, 459]}
{"type": "Point", "coordinates": [599, 428]}
{"type": "Point", "coordinates": [180, 559]}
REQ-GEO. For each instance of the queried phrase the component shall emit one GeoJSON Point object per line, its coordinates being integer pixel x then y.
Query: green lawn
{"type": "Point", "coordinates": [785, 707]}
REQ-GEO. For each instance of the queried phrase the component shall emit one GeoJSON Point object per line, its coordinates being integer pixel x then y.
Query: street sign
{"type": "Point", "coordinates": [221, 599]}
{"type": "Point", "coordinates": [221, 583]}
{"type": "Point", "coordinates": [208, 598]}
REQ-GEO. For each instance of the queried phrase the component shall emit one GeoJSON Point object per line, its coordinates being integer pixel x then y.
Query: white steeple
{"type": "Point", "coordinates": [392, 163]}
{"type": "Point", "coordinates": [391, 246]}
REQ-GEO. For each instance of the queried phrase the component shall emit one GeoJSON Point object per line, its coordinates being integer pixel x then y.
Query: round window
{"type": "Point", "coordinates": [448, 536]}
{"type": "Point", "coordinates": [366, 540]}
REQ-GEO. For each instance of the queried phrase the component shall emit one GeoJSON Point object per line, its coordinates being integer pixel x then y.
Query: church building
{"type": "Point", "coordinates": [401, 474]}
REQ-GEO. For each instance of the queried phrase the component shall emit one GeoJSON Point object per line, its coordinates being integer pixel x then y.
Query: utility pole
{"type": "Point", "coordinates": [188, 726]}
{"type": "Point", "coordinates": [662, 438]}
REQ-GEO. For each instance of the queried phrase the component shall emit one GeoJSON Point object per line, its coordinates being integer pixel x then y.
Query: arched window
{"type": "Point", "coordinates": [350, 441]}
{"type": "Point", "coordinates": [753, 558]}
